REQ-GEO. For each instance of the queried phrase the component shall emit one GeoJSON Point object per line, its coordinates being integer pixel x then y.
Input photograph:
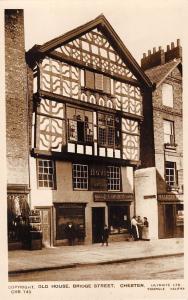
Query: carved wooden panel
{"type": "Point", "coordinates": [130, 139]}
{"type": "Point", "coordinates": [63, 79]}
{"type": "Point", "coordinates": [97, 98]}
{"type": "Point", "coordinates": [93, 49]}
{"type": "Point", "coordinates": [60, 78]}
{"type": "Point", "coordinates": [128, 98]}
{"type": "Point", "coordinates": [50, 134]}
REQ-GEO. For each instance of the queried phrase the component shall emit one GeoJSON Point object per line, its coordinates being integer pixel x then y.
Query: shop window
{"type": "Point", "coordinates": [80, 125]}
{"type": "Point", "coordinates": [80, 177]}
{"type": "Point", "coordinates": [168, 127]}
{"type": "Point", "coordinates": [119, 219]}
{"type": "Point", "coordinates": [114, 178]}
{"type": "Point", "coordinates": [167, 95]}
{"type": "Point", "coordinates": [179, 215]}
{"type": "Point", "coordinates": [70, 213]}
{"type": "Point", "coordinates": [170, 176]}
{"type": "Point", "coordinates": [46, 173]}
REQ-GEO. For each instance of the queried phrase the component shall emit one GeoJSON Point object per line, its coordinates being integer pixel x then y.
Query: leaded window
{"type": "Point", "coordinates": [80, 177]}
{"type": "Point", "coordinates": [46, 173]}
{"type": "Point", "coordinates": [107, 130]}
{"type": "Point", "coordinates": [114, 178]}
{"type": "Point", "coordinates": [80, 125]}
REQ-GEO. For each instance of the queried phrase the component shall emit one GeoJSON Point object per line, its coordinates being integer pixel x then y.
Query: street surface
{"type": "Point", "coordinates": [157, 268]}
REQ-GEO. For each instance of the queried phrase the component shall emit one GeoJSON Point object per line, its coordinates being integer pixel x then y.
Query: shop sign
{"type": "Point", "coordinates": [150, 197]}
{"type": "Point", "coordinates": [98, 178]}
{"type": "Point", "coordinates": [97, 171]}
{"type": "Point", "coordinates": [169, 197]}
{"type": "Point", "coordinates": [105, 197]}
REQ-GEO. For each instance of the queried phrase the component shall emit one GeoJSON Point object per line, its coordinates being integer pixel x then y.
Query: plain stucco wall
{"type": "Point", "coordinates": [145, 185]}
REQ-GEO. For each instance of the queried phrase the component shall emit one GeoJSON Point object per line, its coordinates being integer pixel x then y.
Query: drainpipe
{"type": "Point", "coordinates": [134, 169]}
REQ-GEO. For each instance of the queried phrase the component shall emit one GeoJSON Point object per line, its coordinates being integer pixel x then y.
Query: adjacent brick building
{"type": "Point", "coordinates": [163, 126]}
{"type": "Point", "coordinates": [16, 119]}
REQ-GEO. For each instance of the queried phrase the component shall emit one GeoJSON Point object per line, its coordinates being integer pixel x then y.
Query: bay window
{"type": "Point", "coordinates": [80, 125]}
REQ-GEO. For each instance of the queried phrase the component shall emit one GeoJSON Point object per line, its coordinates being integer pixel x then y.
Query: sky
{"type": "Point", "coordinates": [141, 24]}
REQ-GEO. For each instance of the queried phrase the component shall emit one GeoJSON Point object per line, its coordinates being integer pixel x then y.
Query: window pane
{"type": "Point", "coordinates": [170, 173]}
{"type": "Point", "coordinates": [113, 175]}
{"type": "Point", "coordinates": [167, 94]}
{"type": "Point", "coordinates": [106, 130]}
{"type": "Point", "coordinates": [80, 176]}
{"type": "Point", "coordinates": [45, 174]}
{"type": "Point", "coordinates": [168, 127]}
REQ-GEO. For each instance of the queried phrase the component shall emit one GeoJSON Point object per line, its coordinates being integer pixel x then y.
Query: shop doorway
{"type": "Point", "coordinates": [98, 217]}
{"type": "Point", "coordinates": [169, 221]}
{"type": "Point", "coordinates": [45, 214]}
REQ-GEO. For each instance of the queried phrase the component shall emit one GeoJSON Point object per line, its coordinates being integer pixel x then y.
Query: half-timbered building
{"type": "Point", "coordinates": [86, 114]}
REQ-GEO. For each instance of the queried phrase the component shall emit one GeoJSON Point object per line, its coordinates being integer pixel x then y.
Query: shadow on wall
{"type": "Point", "coordinates": [161, 183]}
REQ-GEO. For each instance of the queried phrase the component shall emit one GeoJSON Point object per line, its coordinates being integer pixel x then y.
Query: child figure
{"type": "Point", "coordinates": [105, 235]}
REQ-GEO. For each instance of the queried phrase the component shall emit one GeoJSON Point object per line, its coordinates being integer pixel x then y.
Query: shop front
{"type": "Point", "coordinates": [67, 214]}
{"type": "Point", "coordinates": [119, 206]}
{"type": "Point", "coordinates": [171, 216]}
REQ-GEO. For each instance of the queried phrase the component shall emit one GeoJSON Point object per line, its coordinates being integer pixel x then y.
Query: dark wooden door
{"type": "Point", "coordinates": [98, 217]}
{"type": "Point", "coordinates": [46, 226]}
{"type": "Point", "coordinates": [169, 220]}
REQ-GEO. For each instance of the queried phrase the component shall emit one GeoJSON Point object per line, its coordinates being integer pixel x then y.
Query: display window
{"type": "Point", "coordinates": [179, 215]}
{"type": "Point", "coordinates": [70, 213]}
{"type": "Point", "coordinates": [119, 219]}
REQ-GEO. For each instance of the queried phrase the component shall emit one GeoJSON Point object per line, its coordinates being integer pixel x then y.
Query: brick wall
{"type": "Point", "coordinates": [152, 128]}
{"type": "Point", "coordinates": [172, 114]}
{"type": "Point", "coordinates": [16, 98]}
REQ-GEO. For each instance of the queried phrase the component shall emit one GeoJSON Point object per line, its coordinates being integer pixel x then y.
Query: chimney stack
{"type": "Point", "coordinates": [153, 59]}
{"type": "Point", "coordinates": [174, 52]}
{"type": "Point", "coordinates": [160, 57]}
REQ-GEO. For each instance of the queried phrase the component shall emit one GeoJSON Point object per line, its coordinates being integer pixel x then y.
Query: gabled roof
{"type": "Point", "coordinates": [101, 23]}
{"type": "Point", "coordinates": [158, 74]}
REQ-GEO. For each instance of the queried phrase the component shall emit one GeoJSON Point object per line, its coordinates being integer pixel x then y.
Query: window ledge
{"type": "Point", "coordinates": [174, 188]}
{"type": "Point", "coordinates": [169, 146]}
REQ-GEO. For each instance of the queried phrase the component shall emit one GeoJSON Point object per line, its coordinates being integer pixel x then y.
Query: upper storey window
{"type": "Point", "coordinates": [80, 125]}
{"type": "Point", "coordinates": [169, 137]}
{"type": "Point", "coordinates": [167, 94]}
{"type": "Point", "coordinates": [108, 131]}
{"type": "Point", "coordinates": [98, 82]}
{"type": "Point", "coordinates": [46, 173]}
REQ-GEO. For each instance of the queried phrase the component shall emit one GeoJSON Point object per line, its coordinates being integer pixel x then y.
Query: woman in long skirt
{"type": "Point", "coordinates": [134, 228]}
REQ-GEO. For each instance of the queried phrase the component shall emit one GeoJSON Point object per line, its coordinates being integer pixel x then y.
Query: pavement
{"type": "Point", "coordinates": [22, 261]}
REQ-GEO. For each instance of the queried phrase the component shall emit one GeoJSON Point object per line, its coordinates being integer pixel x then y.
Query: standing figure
{"type": "Point", "coordinates": [134, 228]}
{"type": "Point", "coordinates": [140, 227]}
{"type": "Point", "coordinates": [105, 235]}
{"type": "Point", "coordinates": [145, 233]}
{"type": "Point", "coordinates": [70, 233]}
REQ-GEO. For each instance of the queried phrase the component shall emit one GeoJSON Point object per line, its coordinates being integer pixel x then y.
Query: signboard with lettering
{"type": "Point", "coordinates": [170, 197]}
{"type": "Point", "coordinates": [107, 197]}
{"type": "Point", "coordinates": [149, 196]}
{"type": "Point", "coordinates": [98, 178]}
